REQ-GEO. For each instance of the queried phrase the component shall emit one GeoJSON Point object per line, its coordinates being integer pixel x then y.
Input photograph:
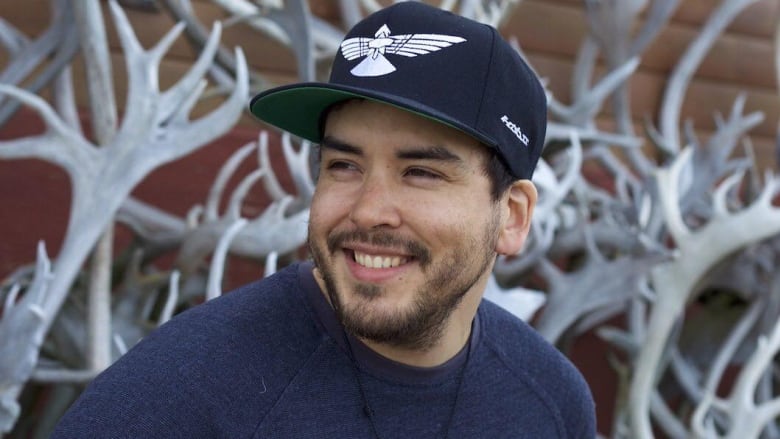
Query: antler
{"type": "Point", "coordinates": [155, 130]}
{"type": "Point", "coordinates": [746, 417]}
{"type": "Point", "coordinates": [674, 93]}
{"type": "Point", "coordinates": [696, 252]}
{"type": "Point", "coordinates": [22, 327]}
{"type": "Point", "coordinates": [58, 42]}
{"type": "Point", "coordinates": [281, 228]}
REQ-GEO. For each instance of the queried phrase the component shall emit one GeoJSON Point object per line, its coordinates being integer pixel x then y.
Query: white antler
{"type": "Point", "coordinates": [746, 417]}
{"type": "Point", "coordinates": [25, 66]}
{"type": "Point", "coordinates": [683, 71]}
{"type": "Point", "coordinates": [22, 327]}
{"type": "Point", "coordinates": [697, 251]}
{"type": "Point", "coordinates": [155, 130]}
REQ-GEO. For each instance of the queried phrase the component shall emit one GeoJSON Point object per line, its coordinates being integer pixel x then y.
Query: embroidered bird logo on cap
{"type": "Point", "coordinates": [375, 49]}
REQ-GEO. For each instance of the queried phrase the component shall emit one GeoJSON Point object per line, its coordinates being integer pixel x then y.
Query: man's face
{"type": "Point", "coordinates": [402, 224]}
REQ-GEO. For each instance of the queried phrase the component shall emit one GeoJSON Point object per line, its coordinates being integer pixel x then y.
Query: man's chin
{"type": "Point", "coordinates": [389, 326]}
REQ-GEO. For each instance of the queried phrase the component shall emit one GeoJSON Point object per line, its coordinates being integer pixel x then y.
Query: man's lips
{"type": "Point", "coordinates": [376, 266]}
{"type": "Point", "coordinates": [377, 250]}
{"type": "Point", "coordinates": [369, 260]}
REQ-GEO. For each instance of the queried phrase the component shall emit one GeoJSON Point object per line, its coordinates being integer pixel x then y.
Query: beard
{"type": "Point", "coordinates": [421, 324]}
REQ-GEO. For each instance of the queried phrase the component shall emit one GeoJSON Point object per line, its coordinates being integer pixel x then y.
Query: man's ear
{"type": "Point", "coordinates": [517, 205]}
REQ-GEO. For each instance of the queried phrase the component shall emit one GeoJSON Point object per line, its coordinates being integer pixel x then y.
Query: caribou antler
{"type": "Point", "coordinates": [746, 417]}
{"type": "Point", "coordinates": [22, 327]}
{"type": "Point", "coordinates": [696, 252]}
{"type": "Point", "coordinates": [58, 42]}
{"type": "Point", "coordinates": [281, 228]}
{"type": "Point", "coordinates": [675, 90]}
{"type": "Point", "coordinates": [309, 37]}
{"type": "Point", "coordinates": [155, 130]}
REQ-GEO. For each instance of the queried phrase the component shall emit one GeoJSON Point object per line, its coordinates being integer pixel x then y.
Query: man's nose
{"type": "Point", "coordinates": [376, 205]}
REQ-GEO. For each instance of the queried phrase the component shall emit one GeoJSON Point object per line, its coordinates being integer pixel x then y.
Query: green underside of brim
{"type": "Point", "coordinates": [297, 110]}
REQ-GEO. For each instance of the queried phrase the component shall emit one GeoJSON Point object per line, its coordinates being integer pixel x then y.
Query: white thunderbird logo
{"type": "Point", "coordinates": [374, 49]}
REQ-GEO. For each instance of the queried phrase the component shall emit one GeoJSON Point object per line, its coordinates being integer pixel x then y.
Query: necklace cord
{"type": "Point", "coordinates": [369, 412]}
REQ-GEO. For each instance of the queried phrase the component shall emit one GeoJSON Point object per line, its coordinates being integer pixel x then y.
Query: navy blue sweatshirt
{"type": "Point", "coordinates": [270, 360]}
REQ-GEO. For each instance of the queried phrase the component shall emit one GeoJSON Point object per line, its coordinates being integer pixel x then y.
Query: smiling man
{"type": "Point", "coordinates": [429, 130]}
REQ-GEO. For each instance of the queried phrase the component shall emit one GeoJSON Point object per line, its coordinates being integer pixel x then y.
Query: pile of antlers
{"type": "Point", "coordinates": [682, 221]}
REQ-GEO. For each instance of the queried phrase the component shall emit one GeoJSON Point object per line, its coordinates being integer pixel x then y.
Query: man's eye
{"type": "Point", "coordinates": [423, 173]}
{"type": "Point", "coordinates": [341, 165]}
{"type": "Point", "coordinates": [341, 169]}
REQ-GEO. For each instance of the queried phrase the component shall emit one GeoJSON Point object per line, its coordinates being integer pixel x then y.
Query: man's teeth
{"type": "Point", "coordinates": [370, 261]}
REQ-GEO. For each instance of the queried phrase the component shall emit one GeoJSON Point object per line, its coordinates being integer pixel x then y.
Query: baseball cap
{"type": "Point", "coordinates": [435, 64]}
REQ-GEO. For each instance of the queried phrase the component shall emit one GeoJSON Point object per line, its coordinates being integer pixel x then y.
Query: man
{"type": "Point", "coordinates": [430, 128]}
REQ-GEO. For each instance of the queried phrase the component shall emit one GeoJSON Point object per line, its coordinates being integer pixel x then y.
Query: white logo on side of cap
{"type": "Point", "coordinates": [515, 129]}
{"type": "Point", "coordinates": [375, 49]}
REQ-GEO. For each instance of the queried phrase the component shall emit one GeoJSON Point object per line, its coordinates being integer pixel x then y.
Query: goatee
{"type": "Point", "coordinates": [420, 326]}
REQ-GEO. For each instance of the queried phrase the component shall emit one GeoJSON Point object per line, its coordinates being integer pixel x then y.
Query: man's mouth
{"type": "Point", "coordinates": [378, 261]}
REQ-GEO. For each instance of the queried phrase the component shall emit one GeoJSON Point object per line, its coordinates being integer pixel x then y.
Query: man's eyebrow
{"type": "Point", "coordinates": [437, 153]}
{"type": "Point", "coordinates": [434, 153]}
{"type": "Point", "coordinates": [331, 143]}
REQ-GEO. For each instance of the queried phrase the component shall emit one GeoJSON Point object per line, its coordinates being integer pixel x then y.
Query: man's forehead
{"type": "Point", "coordinates": [390, 120]}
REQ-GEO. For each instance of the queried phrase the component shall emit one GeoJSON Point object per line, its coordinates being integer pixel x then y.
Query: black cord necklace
{"type": "Point", "coordinates": [369, 412]}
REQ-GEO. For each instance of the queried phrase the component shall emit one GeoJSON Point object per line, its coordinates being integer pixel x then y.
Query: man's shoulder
{"type": "Point", "coordinates": [273, 299]}
{"type": "Point", "coordinates": [249, 319]}
{"type": "Point", "coordinates": [216, 367]}
{"type": "Point", "coordinates": [523, 349]}
{"type": "Point", "coordinates": [509, 334]}
{"type": "Point", "coordinates": [538, 366]}
{"type": "Point", "coordinates": [515, 339]}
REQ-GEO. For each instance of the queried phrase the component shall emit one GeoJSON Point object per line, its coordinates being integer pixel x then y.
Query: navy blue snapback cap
{"type": "Point", "coordinates": [433, 63]}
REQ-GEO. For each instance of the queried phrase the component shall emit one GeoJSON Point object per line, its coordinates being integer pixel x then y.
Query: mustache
{"type": "Point", "coordinates": [337, 240]}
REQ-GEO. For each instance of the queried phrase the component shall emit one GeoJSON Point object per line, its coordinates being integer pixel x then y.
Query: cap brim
{"type": "Point", "coordinates": [297, 108]}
